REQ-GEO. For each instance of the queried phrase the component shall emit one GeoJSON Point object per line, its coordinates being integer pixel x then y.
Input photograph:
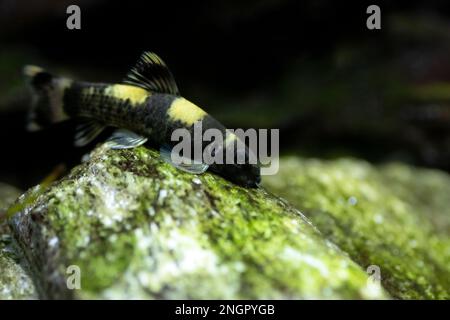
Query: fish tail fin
{"type": "Point", "coordinates": [47, 97]}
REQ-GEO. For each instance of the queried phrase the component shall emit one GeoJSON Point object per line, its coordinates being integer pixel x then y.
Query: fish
{"type": "Point", "coordinates": [145, 107]}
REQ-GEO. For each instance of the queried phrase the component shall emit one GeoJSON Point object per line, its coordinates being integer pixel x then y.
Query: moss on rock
{"type": "Point", "coordinates": [139, 228]}
{"type": "Point", "coordinates": [394, 216]}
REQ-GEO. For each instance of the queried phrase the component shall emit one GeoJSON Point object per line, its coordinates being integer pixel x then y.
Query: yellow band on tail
{"type": "Point", "coordinates": [31, 71]}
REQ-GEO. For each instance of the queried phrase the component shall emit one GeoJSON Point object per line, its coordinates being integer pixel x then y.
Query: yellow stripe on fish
{"type": "Point", "coordinates": [185, 111]}
{"type": "Point", "coordinates": [136, 95]}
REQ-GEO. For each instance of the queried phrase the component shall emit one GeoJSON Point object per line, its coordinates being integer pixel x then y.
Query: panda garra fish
{"type": "Point", "coordinates": [146, 106]}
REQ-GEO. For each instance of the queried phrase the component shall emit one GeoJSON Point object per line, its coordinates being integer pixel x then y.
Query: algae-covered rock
{"type": "Point", "coordinates": [393, 216]}
{"type": "Point", "coordinates": [135, 227]}
{"type": "Point", "coordinates": [14, 281]}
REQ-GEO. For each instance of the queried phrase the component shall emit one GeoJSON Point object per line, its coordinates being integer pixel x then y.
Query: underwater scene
{"type": "Point", "coordinates": [257, 150]}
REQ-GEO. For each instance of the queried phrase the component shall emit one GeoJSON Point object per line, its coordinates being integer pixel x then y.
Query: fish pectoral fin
{"type": "Point", "coordinates": [184, 164]}
{"type": "Point", "coordinates": [87, 131]}
{"type": "Point", "coordinates": [125, 139]}
{"type": "Point", "coordinates": [151, 73]}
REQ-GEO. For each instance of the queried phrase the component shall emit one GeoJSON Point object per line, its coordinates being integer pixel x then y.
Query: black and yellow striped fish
{"type": "Point", "coordinates": [146, 106]}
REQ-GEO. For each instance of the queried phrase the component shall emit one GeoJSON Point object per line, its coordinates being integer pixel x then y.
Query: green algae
{"type": "Point", "coordinates": [138, 228]}
{"type": "Point", "coordinates": [394, 216]}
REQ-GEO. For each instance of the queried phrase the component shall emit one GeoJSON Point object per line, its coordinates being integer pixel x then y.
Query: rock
{"type": "Point", "coordinates": [8, 194]}
{"type": "Point", "coordinates": [393, 216]}
{"type": "Point", "coordinates": [138, 228]}
{"type": "Point", "coordinates": [14, 281]}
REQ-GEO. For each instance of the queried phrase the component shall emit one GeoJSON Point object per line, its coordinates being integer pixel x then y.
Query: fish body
{"type": "Point", "coordinates": [147, 104]}
{"type": "Point", "coordinates": [154, 115]}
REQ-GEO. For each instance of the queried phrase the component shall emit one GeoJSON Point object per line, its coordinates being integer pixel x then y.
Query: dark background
{"type": "Point", "coordinates": [310, 68]}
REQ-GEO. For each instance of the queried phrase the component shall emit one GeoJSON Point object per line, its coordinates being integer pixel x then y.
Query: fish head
{"type": "Point", "coordinates": [246, 173]}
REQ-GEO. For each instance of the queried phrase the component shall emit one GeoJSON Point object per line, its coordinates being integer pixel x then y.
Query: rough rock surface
{"type": "Point", "coordinates": [394, 216]}
{"type": "Point", "coordinates": [14, 281]}
{"type": "Point", "coordinates": [138, 228]}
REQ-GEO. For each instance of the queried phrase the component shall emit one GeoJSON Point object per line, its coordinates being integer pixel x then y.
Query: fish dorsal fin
{"type": "Point", "coordinates": [151, 73]}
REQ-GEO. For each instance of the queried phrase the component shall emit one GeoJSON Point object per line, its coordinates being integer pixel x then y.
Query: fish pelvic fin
{"type": "Point", "coordinates": [46, 98]}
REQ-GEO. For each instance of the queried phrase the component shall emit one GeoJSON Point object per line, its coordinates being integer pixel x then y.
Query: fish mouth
{"type": "Point", "coordinates": [254, 183]}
